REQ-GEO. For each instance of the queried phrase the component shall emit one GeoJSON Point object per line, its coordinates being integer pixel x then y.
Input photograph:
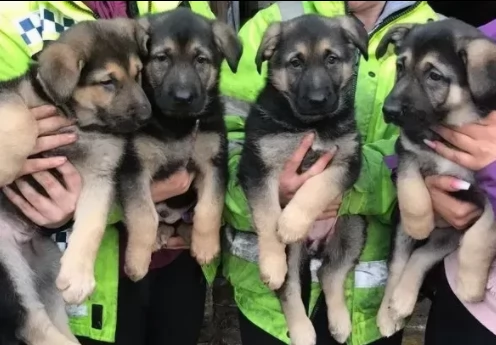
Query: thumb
{"type": "Point", "coordinates": [446, 183]}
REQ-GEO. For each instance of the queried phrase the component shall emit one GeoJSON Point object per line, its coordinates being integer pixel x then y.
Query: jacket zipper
{"type": "Point", "coordinates": [385, 22]}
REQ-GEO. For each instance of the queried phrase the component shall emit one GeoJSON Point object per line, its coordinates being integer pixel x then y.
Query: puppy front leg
{"type": "Point", "coordinates": [141, 224]}
{"type": "Point", "coordinates": [205, 239]}
{"type": "Point", "coordinates": [402, 249]}
{"type": "Point", "coordinates": [440, 243]}
{"type": "Point", "coordinates": [477, 252]}
{"type": "Point", "coordinates": [414, 200]}
{"type": "Point", "coordinates": [301, 330]}
{"type": "Point", "coordinates": [265, 209]}
{"type": "Point", "coordinates": [309, 202]}
{"type": "Point", "coordinates": [76, 277]}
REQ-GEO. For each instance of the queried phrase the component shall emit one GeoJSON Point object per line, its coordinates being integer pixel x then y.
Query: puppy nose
{"type": "Point", "coordinates": [317, 97]}
{"type": "Point", "coordinates": [391, 110]}
{"type": "Point", "coordinates": [182, 95]}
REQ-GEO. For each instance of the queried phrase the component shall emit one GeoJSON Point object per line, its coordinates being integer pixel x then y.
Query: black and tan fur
{"type": "Point", "coordinates": [92, 73]}
{"type": "Point", "coordinates": [181, 79]}
{"type": "Point", "coordinates": [311, 65]}
{"type": "Point", "coordinates": [446, 75]}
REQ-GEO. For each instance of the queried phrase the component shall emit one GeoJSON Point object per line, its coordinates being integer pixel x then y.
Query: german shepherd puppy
{"type": "Point", "coordinates": [309, 88]}
{"type": "Point", "coordinates": [92, 72]}
{"type": "Point", "coordinates": [181, 79]}
{"type": "Point", "coordinates": [446, 75]}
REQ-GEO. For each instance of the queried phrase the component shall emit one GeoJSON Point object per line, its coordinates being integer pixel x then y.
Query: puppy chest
{"type": "Point", "coordinates": [438, 165]}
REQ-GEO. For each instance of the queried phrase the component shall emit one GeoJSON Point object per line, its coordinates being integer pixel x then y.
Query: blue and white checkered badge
{"type": "Point", "coordinates": [40, 26]}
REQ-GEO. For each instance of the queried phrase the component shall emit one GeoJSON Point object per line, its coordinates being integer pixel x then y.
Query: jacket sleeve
{"type": "Point", "coordinates": [374, 193]}
{"type": "Point", "coordinates": [14, 53]}
{"type": "Point", "coordinates": [487, 181]}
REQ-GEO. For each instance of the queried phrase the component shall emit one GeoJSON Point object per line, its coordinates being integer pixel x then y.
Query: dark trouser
{"type": "Point", "coordinates": [166, 307]}
{"type": "Point", "coordinates": [252, 335]}
{"type": "Point", "coordinates": [450, 323]}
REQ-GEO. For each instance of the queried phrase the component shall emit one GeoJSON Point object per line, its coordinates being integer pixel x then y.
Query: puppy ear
{"type": "Point", "coordinates": [141, 34]}
{"type": "Point", "coordinates": [59, 70]}
{"type": "Point", "coordinates": [355, 32]}
{"type": "Point", "coordinates": [228, 43]}
{"type": "Point", "coordinates": [479, 56]}
{"type": "Point", "coordinates": [270, 40]}
{"type": "Point", "coordinates": [395, 35]}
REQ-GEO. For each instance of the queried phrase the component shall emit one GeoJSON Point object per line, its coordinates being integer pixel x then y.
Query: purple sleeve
{"type": "Point", "coordinates": [486, 179]}
{"type": "Point", "coordinates": [488, 29]}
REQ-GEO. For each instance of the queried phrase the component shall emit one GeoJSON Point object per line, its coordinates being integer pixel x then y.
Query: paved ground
{"type": "Point", "coordinates": [221, 320]}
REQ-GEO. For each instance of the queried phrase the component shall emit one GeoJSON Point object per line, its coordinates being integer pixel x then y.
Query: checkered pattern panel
{"type": "Point", "coordinates": [62, 239]}
{"type": "Point", "coordinates": [42, 25]}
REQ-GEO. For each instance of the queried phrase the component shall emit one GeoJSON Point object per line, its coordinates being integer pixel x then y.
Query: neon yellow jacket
{"type": "Point", "coordinates": [24, 25]}
{"type": "Point", "coordinates": [373, 195]}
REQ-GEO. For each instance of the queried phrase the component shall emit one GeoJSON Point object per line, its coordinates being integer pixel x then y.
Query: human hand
{"type": "Point", "coordinates": [476, 143]}
{"type": "Point", "coordinates": [289, 180]}
{"type": "Point", "coordinates": [176, 184]}
{"type": "Point", "coordinates": [48, 124]}
{"type": "Point", "coordinates": [56, 209]}
{"type": "Point", "coordinates": [458, 214]}
{"type": "Point", "coordinates": [332, 210]}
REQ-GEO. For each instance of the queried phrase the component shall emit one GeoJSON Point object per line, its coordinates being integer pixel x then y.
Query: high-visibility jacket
{"type": "Point", "coordinates": [24, 26]}
{"type": "Point", "coordinates": [373, 195]}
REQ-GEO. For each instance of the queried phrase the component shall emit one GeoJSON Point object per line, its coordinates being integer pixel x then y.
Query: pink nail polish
{"type": "Point", "coordinates": [429, 143]}
{"type": "Point", "coordinates": [460, 185]}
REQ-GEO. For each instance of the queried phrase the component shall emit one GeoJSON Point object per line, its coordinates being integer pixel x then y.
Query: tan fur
{"type": "Point", "coordinates": [414, 201]}
{"type": "Point", "coordinates": [40, 330]}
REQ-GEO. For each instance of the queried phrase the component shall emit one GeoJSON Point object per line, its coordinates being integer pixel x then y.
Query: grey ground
{"type": "Point", "coordinates": [221, 319]}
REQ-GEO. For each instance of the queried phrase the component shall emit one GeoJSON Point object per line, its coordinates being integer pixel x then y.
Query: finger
{"type": "Point", "coordinates": [39, 202]}
{"type": "Point", "coordinates": [446, 183]}
{"type": "Point", "coordinates": [72, 178]}
{"type": "Point", "coordinates": [457, 138]}
{"type": "Point", "coordinates": [52, 124]}
{"type": "Point", "coordinates": [318, 166]}
{"type": "Point", "coordinates": [53, 141]}
{"type": "Point", "coordinates": [327, 215]}
{"type": "Point", "coordinates": [24, 206]}
{"type": "Point", "coordinates": [176, 242]}
{"type": "Point", "coordinates": [294, 162]}
{"type": "Point", "coordinates": [43, 112]}
{"type": "Point", "coordinates": [40, 164]}
{"type": "Point", "coordinates": [52, 186]}
{"type": "Point", "coordinates": [459, 157]}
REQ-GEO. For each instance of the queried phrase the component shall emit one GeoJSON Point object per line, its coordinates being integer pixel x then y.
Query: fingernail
{"type": "Point", "coordinates": [429, 143]}
{"type": "Point", "coordinates": [61, 160]}
{"type": "Point", "coordinates": [72, 136]}
{"type": "Point", "coordinates": [460, 185]}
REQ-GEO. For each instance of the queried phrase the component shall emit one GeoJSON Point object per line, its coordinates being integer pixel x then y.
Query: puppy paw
{"type": "Point", "coordinates": [205, 246]}
{"type": "Point", "coordinates": [470, 288]}
{"type": "Point", "coordinates": [402, 303]}
{"type": "Point", "coordinates": [163, 234]}
{"type": "Point", "coordinates": [273, 269]}
{"type": "Point", "coordinates": [293, 225]}
{"type": "Point", "coordinates": [340, 325]}
{"type": "Point", "coordinates": [136, 268]}
{"type": "Point", "coordinates": [76, 281]}
{"type": "Point", "coordinates": [303, 333]}
{"type": "Point", "coordinates": [386, 323]}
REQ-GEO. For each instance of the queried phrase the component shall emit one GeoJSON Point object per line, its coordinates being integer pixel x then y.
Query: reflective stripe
{"type": "Point", "coordinates": [290, 9]}
{"type": "Point", "coordinates": [244, 245]}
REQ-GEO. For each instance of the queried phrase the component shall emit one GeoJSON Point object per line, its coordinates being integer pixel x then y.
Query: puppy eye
{"type": "Point", "coordinates": [435, 76]}
{"type": "Point", "coordinates": [201, 59]}
{"type": "Point", "coordinates": [295, 63]}
{"type": "Point", "coordinates": [107, 82]}
{"type": "Point", "coordinates": [399, 67]}
{"type": "Point", "coordinates": [161, 57]}
{"type": "Point", "coordinates": [331, 59]}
